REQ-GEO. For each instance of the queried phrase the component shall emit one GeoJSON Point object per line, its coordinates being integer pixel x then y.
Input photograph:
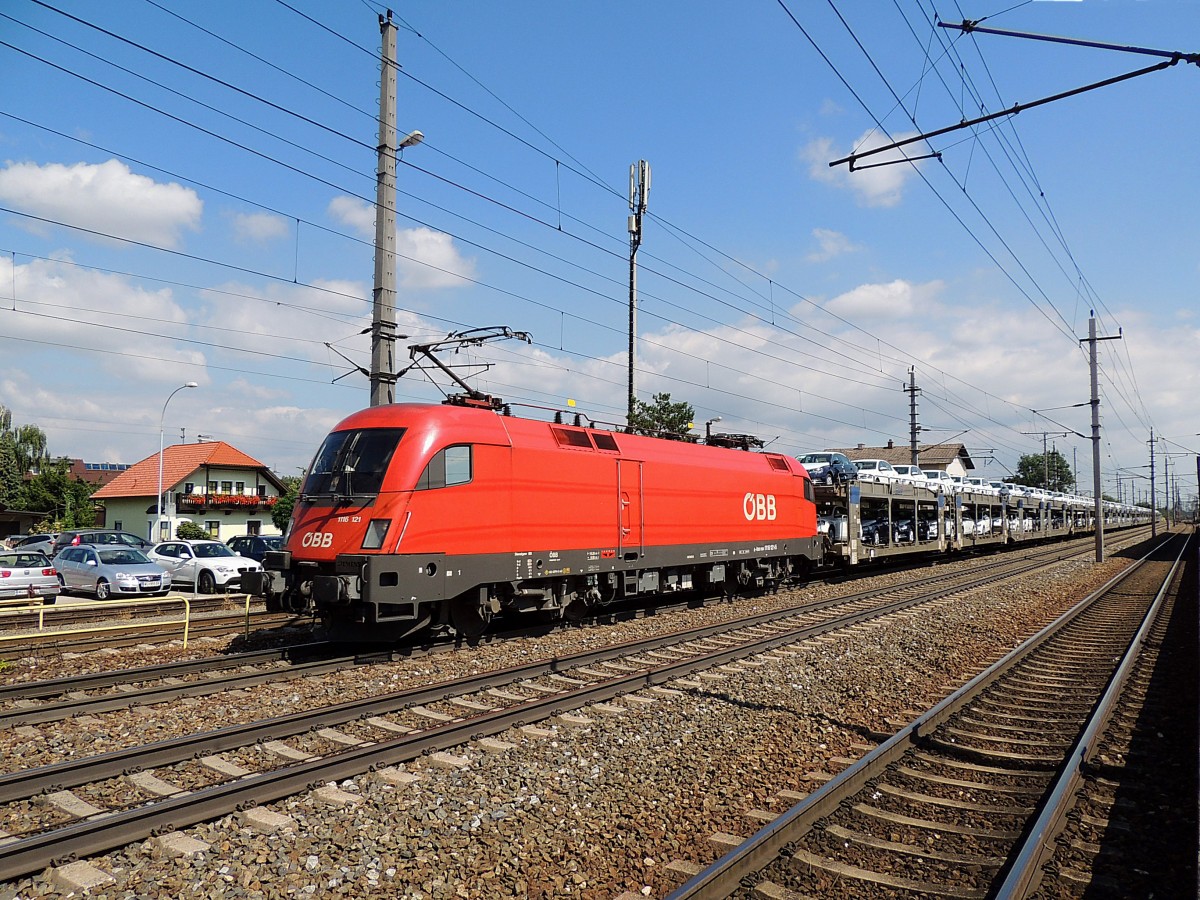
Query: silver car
{"type": "Point", "coordinates": [110, 571]}
{"type": "Point", "coordinates": [27, 574]}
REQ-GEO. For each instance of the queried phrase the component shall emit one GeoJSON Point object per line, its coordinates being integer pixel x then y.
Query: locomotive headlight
{"type": "Point", "coordinates": [376, 531]}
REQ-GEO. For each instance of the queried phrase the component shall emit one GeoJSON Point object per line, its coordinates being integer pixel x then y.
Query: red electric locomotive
{"type": "Point", "coordinates": [442, 515]}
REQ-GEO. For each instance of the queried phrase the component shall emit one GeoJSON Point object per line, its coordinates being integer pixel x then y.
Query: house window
{"type": "Point", "coordinates": [213, 527]}
{"type": "Point", "coordinates": [262, 490]}
{"type": "Point", "coordinates": [239, 487]}
{"type": "Point", "coordinates": [119, 525]}
{"type": "Point", "coordinates": [226, 487]}
{"type": "Point", "coordinates": [212, 487]}
{"type": "Point", "coordinates": [253, 526]}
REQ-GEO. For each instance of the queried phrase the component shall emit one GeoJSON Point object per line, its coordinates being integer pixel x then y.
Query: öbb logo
{"type": "Point", "coordinates": [317, 539]}
{"type": "Point", "coordinates": [759, 507]}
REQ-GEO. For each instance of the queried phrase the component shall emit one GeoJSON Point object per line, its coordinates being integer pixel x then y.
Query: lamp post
{"type": "Point", "coordinates": [161, 419]}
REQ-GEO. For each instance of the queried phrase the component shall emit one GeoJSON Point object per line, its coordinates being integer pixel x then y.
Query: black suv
{"type": "Point", "coordinates": [253, 546]}
{"type": "Point", "coordinates": [96, 536]}
{"type": "Point", "coordinates": [829, 468]}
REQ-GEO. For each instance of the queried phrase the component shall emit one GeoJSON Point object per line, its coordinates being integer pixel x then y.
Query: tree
{"type": "Point", "coordinates": [1032, 471]}
{"type": "Point", "coordinates": [22, 450]}
{"type": "Point", "coordinates": [66, 501]}
{"type": "Point", "coordinates": [281, 512]}
{"type": "Point", "coordinates": [662, 417]}
{"type": "Point", "coordinates": [10, 473]}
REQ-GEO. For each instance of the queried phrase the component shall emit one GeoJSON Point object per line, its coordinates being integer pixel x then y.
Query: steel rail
{"type": "Point", "coordinates": [116, 829]}
{"type": "Point", "coordinates": [164, 693]}
{"type": "Point", "coordinates": [728, 873]}
{"type": "Point", "coordinates": [56, 686]}
{"type": "Point", "coordinates": [1038, 846]}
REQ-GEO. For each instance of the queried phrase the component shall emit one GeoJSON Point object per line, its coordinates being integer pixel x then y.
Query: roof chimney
{"type": "Point", "coordinates": [862, 447]}
{"type": "Point", "coordinates": [890, 447]}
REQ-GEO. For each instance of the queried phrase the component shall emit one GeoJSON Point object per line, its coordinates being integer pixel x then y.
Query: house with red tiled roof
{"type": "Point", "coordinates": [212, 484]}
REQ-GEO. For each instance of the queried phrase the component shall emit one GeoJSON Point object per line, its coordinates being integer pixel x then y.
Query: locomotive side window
{"type": "Point", "coordinates": [352, 462]}
{"type": "Point", "coordinates": [572, 437]}
{"type": "Point", "coordinates": [605, 441]}
{"type": "Point", "coordinates": [809, 495]}
{"type": "Point", "coordinates": [448, 467]}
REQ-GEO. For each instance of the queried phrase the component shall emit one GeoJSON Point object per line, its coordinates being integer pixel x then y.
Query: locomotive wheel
{"type": "Point", "coordinates": [469, 615]}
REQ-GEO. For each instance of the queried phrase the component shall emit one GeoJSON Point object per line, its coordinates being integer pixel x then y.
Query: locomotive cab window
{"type": "Point", "coordinates": [353, 463]}
{"type": "Point", "coordinates": [448, 467]}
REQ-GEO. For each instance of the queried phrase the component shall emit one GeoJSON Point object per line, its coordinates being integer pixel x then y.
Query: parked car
{"type": "Point", "coordinates": [913, 474]}
{"type": "Point", "coordinates": [876, 470]}
{"type": "Point", "coordinates": [97, 536]}
{"type": "Point", "coordinates": [940, 479]}
{"type": "Point", "coordinates": [254, 546]}
{"type": "Point", "coordinates": [38, 543]}
{"type": "Point", "coordinates": [829, 468]}
{"type": "Point", "coordinates": [110, 570]}
{"type": "Point", "coordinates": [209, 565]}
{"type": "Point", "coordinates": [979, 485]}
{"type": "Point", "coordinates": [27, 573]}
{"type": "Point", "coordinates": [877, 532]}
{"type": "Point", "coordinates": [12, 540]}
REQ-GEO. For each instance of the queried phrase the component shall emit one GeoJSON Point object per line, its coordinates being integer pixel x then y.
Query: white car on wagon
{"type": "Point", "coordinates": [876, 470]}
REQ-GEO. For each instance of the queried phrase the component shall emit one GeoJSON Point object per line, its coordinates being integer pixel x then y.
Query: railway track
{"type": "Point", "coordinates": [55, 811]}
{"type": "Point", "coordinates": [950, 805]}
{"type": "Point", "coordinates": [211, 617]}
{"type": "Point", "coordinates": [38, 702]}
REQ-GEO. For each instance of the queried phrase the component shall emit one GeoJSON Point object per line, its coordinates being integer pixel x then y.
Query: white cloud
{"type": "Point", "coordinates": [355, 213]}
{"type": "Point", "coordinates": [107, 198]}
{"type": "Point", "coordinates": [882, 185]}
{"type": "Point", "coordinates": [259, 227]}
{"type": "Point", "coordinates": [897, 299]}
{"type": "Point", "coordinates": [831, 244]}
{"type": "Point", "coordinates": [426, 258]}
{"type": "Point", "coordinates": [59, 305]}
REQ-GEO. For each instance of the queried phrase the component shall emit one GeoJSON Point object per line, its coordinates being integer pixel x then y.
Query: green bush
{"type": "Point", "coordinates": [189, 531]}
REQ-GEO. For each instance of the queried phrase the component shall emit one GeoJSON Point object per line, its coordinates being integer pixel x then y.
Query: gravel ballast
{"type": "Point", "coordinates": [604, 802]}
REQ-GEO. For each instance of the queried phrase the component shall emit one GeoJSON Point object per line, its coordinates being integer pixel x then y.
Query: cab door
{"type": "Point", "coordinates": [630, 514]}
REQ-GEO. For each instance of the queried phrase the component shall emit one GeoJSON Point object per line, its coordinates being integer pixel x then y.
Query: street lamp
{"type": "Point", "coordinates": [161, 418]}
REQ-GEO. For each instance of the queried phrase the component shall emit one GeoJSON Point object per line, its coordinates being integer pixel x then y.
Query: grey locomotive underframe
{"type": "Point", "coordinates": [371, 588]}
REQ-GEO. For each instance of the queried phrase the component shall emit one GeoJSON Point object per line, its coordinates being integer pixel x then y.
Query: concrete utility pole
{"type": "Point", "coordinates": [1153, 501]}
{"type": "Point", "coordinates": [913, 428]}
{"type": "Point", "coordinates": [1092, 364]}
{"type": "Point", "coordinates": [639, 193]}
{"type": "Point", "coordinates": [383, 315]}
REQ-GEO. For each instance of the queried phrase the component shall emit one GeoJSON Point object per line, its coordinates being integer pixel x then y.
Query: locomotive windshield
{"type": "Point", "coordinates": [352, 463]}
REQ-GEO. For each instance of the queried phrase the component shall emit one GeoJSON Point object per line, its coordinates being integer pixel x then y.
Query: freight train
{"type": "Point", "coordinates": [414, 516]}
{"type": "Point", "coordinates": [425, 516]}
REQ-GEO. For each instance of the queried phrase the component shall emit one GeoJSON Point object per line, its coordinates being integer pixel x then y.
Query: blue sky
{"type": "Point", "coordinates": [186, 194]}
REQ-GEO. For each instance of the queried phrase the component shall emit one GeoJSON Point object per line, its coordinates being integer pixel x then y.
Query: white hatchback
{"type": "Point", "coordinates": [876, 470]}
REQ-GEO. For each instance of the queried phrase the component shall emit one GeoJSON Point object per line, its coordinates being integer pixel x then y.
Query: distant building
{"type": "Point", "coordinates": [952, 459]}
{"type": "Point", "coordinates": [94, 472]}
{"type": "Point", "coordinates": [211, 484]}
